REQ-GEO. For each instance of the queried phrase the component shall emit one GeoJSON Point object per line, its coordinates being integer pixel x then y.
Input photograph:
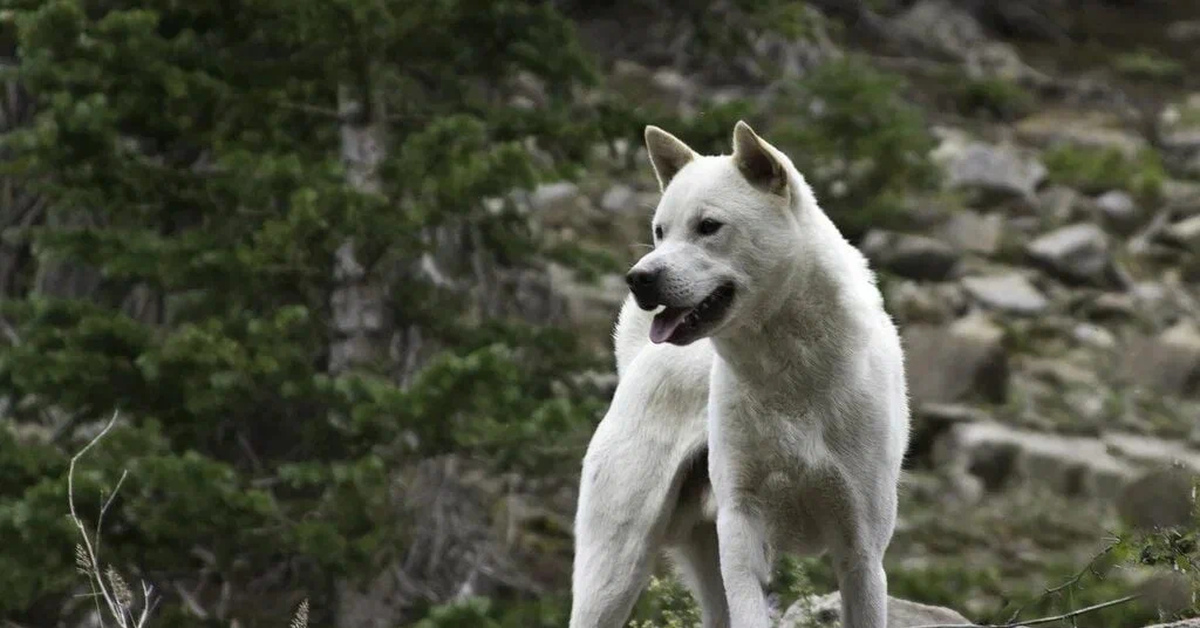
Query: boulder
{"type": "Point", "coordinates": [1119, 211]}
{"type": "Point", "coordinates": [1077, 253]}
{"type": "Point", "coordinates": [1001, 455]}
{"type": "Point", "coordinates": [1179, 127]}
{"type": "Point", "coordinates": [620, 198]}
{"type": "Point", "coordinates": [973, 232]}
{"type": "Point", "coordinates": [825, 611]}
{"type": "Point", "coordinates": [1168, 363]}
{"type": "Point", "coordinates": [561, 199]}
{"type": "Point", "coordinates": [1160, 498]}
{"type": "Point", "coordinates": [1185, 233]}
{"type": "Point", "coordinates": [992, 171]}
{"type": "Point", "coordinates": [920, 302]}
{"type": "Point", "coordinates": [956, 363]}
{"type": "Point", "coordinates": [1010, 293]}
{"type": "Point", "coordinates": [912, 256]}
{"type": "Point", "coordinates": [585, 303]}
{"type": "Point", "coordinates": [1186, 623]}
{"type": "Point", "coordinates": [1082, 129]}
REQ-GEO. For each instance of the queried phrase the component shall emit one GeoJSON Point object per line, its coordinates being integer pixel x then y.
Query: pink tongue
{"type": "Point", "coordinates": [665, 323]}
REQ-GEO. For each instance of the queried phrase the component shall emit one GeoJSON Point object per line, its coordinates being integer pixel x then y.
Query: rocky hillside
{"type": "Point", "coordinates": [1046, 287]}
{"type": "Point", "coordinates": [354, 298]}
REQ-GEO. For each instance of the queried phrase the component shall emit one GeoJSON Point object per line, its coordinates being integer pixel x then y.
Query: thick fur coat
{"type": "Point", "coordinates": [761, 405]}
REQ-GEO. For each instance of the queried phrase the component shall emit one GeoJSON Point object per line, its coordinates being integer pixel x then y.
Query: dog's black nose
{"type": "Point", "coordinates": [641, 279]}
{"type": "Point", "coordinates": [644, 286]}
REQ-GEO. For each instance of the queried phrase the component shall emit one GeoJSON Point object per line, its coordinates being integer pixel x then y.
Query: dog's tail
{"type": "Point", "coordinates": [632, 333]}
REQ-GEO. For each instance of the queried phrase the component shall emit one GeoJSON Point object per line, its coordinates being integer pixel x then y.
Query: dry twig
{"type": "Point", "coordinates": [106, 585]}
{"type": "Point", "coordinates": [1041, 620]}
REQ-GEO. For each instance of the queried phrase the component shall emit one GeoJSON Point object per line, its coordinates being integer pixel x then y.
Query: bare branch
{"type": "Point", "coordinates": [190, 601]}
{"type": "Point", "coordinates": [104, 508]}
{"type": "Point", "coordinates": [116, 594]}
{"type": "Point", "coordinates": [1070, 582]}
{"type": "Point", "coordinates": [87, 542]}
{"type": "Point", "coordinates": [1041, 620]}
{"type": "Point", "coordinates": [149, 603]}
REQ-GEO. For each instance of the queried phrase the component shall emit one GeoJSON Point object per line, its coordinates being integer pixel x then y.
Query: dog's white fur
{"type": "Point", "coordinates": [797, 394]}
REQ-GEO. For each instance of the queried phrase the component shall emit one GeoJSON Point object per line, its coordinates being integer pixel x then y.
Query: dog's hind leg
{"type": "Point", "coordinates": [699, 562]}
{"type": "Point", "coordinates": [627, 496]}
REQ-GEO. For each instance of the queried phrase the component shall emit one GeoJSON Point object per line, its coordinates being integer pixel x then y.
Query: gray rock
{"type": "Point", "coordinates": [1169, 592]}
{"type": "Point", "coordinates": [673, 86]}
{"type": "Point", "coordinates": [963, 361]}
{"type": "Point", "coordinates": [1179, 126]}
{"type": "Point", "coordinates": [1185, 233]}
{"type": "Point", "coordinates": [1168, 363]}
{"type": "Point", "coordinates": [825, 611]}
{"type": "Point", "coordinates": [1082, 129]}
{"type": "Point", "coordinates": [776, 55]}
{"type": "Point", "coordinates": [1184, 31]}
{"type": "Point", "coordinates": [619, 198]}
{"type": "Point", "coordinates": [907, 255]}
{"type": "Point", "coordinates": [993, 170]}
{"type": "Point", "coordinates": [1011, 293]}
{"type": "Point", "coordinates": [1093, 336]}
{"type": "Point", "coordinates": [1057, 204]}
{"type": "Point", "coordinates": [643, 85]}
{"type": "Point", "coordinates": [556, 198]}
{"type": "Point", "coordinates": [942, 27]}
{"type": "Point", "coordinates": [1160, 498]}
{"type": "Point", "coordinates": [1153, 451]}
{"type": "Point", "coordinates": [973, 232]}
{"type": "Point", "coordinates": [585, 303]}
{"type": "Point", "coordinates": [1077, 253]}
{"type": "Point", "coordinates": [1001, 455]}
{"type": "Point", "coordinates": [1119, 211]}
{"type": "Point", "coordinates": [912, 302]}
{"type": "Point", "coordinates": [1186, 623]}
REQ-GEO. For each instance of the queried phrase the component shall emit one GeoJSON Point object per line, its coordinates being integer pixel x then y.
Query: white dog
{"type": "Point", "coordinates": [773, 369]}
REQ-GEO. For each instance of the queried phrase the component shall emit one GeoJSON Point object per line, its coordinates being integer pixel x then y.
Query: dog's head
{"type": "Point", "coordinates": [724, 235]}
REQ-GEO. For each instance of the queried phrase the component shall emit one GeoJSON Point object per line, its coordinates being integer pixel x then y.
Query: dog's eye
{"type": "Point", "coordinates": [658, 232]}
{"type": "Point", "coordinates": [708, 226]}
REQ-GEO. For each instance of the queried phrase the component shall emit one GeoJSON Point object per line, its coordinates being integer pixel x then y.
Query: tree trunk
{"type": "Point", "coordinates": [360, 324]}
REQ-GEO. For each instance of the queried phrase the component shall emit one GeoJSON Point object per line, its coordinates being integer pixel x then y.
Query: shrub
{"type": "Point", "coordinates": [999, 98]}
{"type": "Point", "coordinates": [1148, 64]}
{"type": "Point", "coordinates": [863, 148]}
{"type": "Point", "coordinates": [1094, 171]}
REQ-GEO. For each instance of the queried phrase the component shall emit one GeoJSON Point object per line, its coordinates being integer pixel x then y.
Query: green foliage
{"type": "Point", "coordinates": [484, 613]}
{"type": "Point", "coordinates": [997, 98]}
{"type": "Point", "coordinates": [858, 143]}
{"type": "Point", "coordinates": [666, 604]}
{"type": "Point", "coordinates": [1148, 64]}
{"type": "Point", "coordinates": [201, 142]}
{"type": "Point", "coordinates": [1094, 171]}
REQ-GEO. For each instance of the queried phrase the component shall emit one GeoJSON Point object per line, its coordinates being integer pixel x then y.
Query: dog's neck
{"type": "Point", "coordinates": [802, 330]}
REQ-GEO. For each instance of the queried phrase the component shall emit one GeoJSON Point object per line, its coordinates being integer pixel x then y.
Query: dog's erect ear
{"type": "Point", "coordinates": [756, 160]}
{"type": "Point", "coordinates": [668, 154]}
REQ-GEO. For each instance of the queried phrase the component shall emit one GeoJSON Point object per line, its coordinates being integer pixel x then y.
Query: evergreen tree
{"type": "Point", "coordinates": [196, 165]}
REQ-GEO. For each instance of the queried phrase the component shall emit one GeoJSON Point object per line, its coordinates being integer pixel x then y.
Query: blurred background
{"type": "Point", "coordinates": [347, 270]}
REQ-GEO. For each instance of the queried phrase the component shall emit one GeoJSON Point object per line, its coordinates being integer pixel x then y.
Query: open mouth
{"type": "Point", "coordinates": [681, 325]}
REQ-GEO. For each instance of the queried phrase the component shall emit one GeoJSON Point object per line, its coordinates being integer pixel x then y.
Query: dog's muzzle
{"type": "Point", "coordinates": [644, 284]}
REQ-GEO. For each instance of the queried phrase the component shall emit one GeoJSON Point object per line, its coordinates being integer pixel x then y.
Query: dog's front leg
{"type": "Point", "coordinates": [745, 566]}
{"type": "Point", "coordinates": [863, 584]}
